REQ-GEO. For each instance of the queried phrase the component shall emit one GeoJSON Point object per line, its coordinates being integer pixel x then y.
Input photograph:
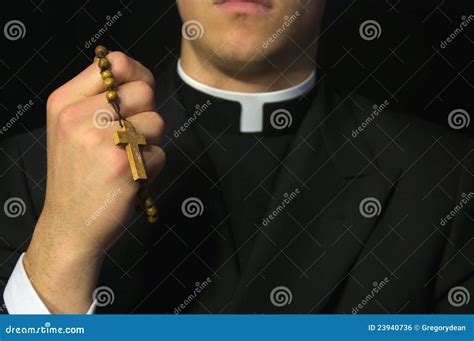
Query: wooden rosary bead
{"type": "Point", "coordinates": [101, 51]}
{"type": "Point", "coordinates": [109, 82]}
{"type": "Point", "coordinates": [111, 95]}
{"type": "Point", "coordinates": [106, 74]}
{"type": "Point", "coordinates": [152, 219]}
{"type": "Point", "coordinates": [149, 202]}
{"type": "Point", "coordinates": [151, 211]}
{"type": "Point", "coordinates": [104, 63]}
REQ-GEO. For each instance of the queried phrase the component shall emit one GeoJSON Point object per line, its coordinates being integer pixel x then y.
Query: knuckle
{"type": "Point", "coordinates": [161, 155]}
{"type": "Point", "coordinates": [53, 101]}
{"type": "Point", "coordinates": [148, 75]}
{"type": "Point", "coordinates": [149, 78]}
{"type": "Point", "coordinates": [91, 140]}
{"type": "Point", "coordinates": [144, 89]}
{"type": "Point", "coordinates": [159, 123]}
{"type": "Point", "coordinates": [145, 92]}
{"type": "Point", "coordinates": [121, 63]}
{"type": "Point", "coordinates": [67, 120]}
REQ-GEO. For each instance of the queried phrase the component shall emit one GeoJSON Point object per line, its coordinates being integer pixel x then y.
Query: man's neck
{"type": "Point", "coordinates": [264, 78]}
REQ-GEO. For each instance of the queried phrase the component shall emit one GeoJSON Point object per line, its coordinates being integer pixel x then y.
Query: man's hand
{"type": "Point", "coordinates": [90, 194]}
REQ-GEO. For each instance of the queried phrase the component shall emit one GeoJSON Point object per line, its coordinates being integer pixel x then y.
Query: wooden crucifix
{"type": "Point", "coordinates": [132, 141]}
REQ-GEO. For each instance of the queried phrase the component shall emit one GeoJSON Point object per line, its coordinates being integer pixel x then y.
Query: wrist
{"type": "Point", "coordinates": [64, 277]}
{"type": "Point", "coordinates": [65, 285]}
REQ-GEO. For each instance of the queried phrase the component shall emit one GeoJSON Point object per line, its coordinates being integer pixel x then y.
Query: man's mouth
{"type": "Point", "coordinates": [244, 6]}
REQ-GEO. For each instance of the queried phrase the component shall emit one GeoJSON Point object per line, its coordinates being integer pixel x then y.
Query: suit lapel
{"type": "Point", "coordinates": [314, 239]}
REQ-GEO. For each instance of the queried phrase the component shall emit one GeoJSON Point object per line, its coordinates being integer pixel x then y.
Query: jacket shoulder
{"type": "Point", "coordinates": [406, 140]}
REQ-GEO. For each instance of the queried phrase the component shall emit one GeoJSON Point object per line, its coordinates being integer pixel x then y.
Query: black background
{"type": "Point", "coordinates": [405, 65]}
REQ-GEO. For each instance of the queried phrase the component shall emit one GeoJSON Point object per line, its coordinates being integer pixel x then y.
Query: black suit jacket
{"type": "Point", "coordinates": [364, 233]}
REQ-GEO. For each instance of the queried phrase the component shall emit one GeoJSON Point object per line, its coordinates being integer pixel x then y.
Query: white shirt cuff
{"type": "Point", "coordinates": [20, 296]}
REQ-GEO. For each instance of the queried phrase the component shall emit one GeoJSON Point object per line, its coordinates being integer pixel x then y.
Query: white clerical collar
{"type": "Point", "coordinates": [251, 118]}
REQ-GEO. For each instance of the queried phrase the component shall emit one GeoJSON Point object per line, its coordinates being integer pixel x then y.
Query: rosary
{"type": "Point", "coordinates": [127, 136]}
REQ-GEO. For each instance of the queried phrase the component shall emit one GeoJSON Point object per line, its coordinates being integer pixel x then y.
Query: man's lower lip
{"type": "Point", "coordinates": [243, 7]}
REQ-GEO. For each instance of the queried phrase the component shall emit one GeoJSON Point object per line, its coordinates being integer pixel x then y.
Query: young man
{"type": "Point", "coordinates": [279, 194]}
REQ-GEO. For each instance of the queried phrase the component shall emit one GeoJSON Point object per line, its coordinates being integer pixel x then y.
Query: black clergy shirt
{"type": "Point", "coordinates": [246, 164]}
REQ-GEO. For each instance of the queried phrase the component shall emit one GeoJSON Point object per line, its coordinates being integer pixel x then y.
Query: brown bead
{"type": "Point", "coordinates": [152, 219]}
{"type": "Point", "coordinates": [109, 82]}
{"type": "Point", "coordinates": [104, 63]}
{"type": "Point", "coordinates": [106, 74]}
{"type": "Point", "coordinates": [101, 51]}
{"type": "Point", "coordinates": [151, 211]}
{"type": "Point", "coordinates": [111, 95]}
{"type": "Point", "coordinates": [149, 202]}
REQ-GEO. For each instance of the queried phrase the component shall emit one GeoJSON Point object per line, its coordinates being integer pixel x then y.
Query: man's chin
{"type": "Point", "coordinates": [242, 47]}
{"type": "Point", "coordinates": [242, 63]}
{"type": "Point", "coordinates": [240, 55]}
